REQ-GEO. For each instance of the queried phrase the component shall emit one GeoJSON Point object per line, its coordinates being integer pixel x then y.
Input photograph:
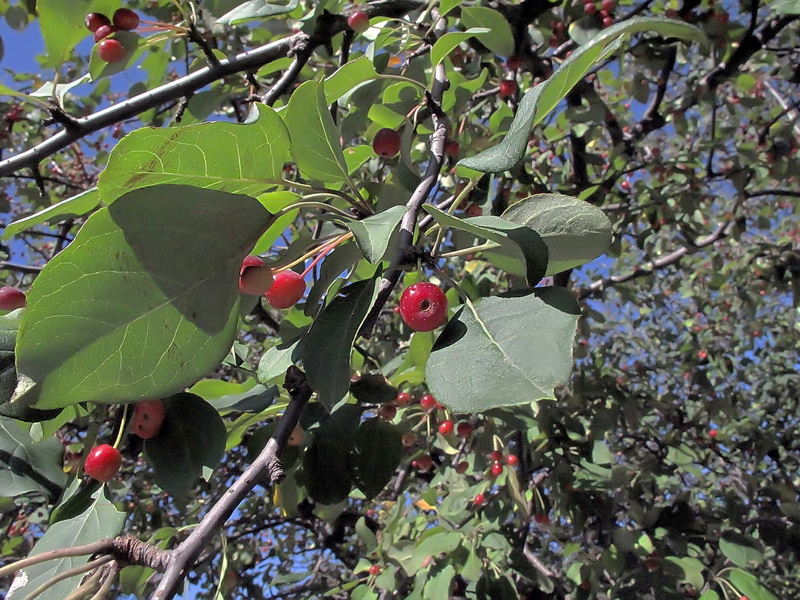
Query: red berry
{"type": "Point", "coordinates": [15, 113]}
{"type": "Point", "coordinates": [103, 32]}
{"type": "Point", "coordinates": [508, 87]}
{"type": "Point", "coordinates": [462, 467]}
{"type": "Point", "coordinates": [541, 518]}
{"type": "Point", "coordinates": [255, 278]}
{"type": "Point", "coordinates": [608, 5]}
{"type": "Point", "coordinates": [712, 434]}
{"type": "Point", "coordinates": [608, 21]}
{"type": "Point", "coordinates": [386, 143]}
{"type": "Point", "coordinates": [287, 290]}
{"type": "Point", "coordinates": [427, 402]}
{"type": "Point", "coordinates": [403, 399]}
{"type": "Point", "coordinates": [626, 185]}
{"type": "Point", "coordinates": [512, 460]}
{"type": "Point", "coordinates": [110, 51]}
{"type": "Point", "coordinates": [464, 429]}
{"type": "Point", "coordinates": [95, 20]}
{"type": "Point", "coordinates": [409, 439]}
{"type": "Point", "coordinates": [473, 210]}
{"type": "Point", "coordinates": [388, 411]}
{"type": "Point", "coordinates": [125, 19]}
{"type": "Point", "coordinates": [103, 462]}
{"type": "Point", "coordinates": [11, 298]}
{"type": "Point", "coordinates": [452, 148]}
{"type": "Point", "coordinates": [374, 570]}
{"type": "Point", "coordinates": [148, 416]}
{"type": "Point", "coordinates": [496, 455]}
{"type": "Point", "coordinates": [358, 21]}
{"type": "Point", "coordinates": [513, 63]}
{"type": "Point", "coordinates": [479, 500]}
{"type": "Point", "coordinates": [497, 469]}
{"type": "Point", "coordinates": [424, 462]}
{"type": "Point", "coordinates": [589, 8]}
{"type": "Point", "coordinates": [423, 306]}
{"type": "Point", "coordinates": [446, 427]}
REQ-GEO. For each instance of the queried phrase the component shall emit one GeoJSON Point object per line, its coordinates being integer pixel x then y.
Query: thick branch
{"type": "Point", "coordinates": [267, 463]}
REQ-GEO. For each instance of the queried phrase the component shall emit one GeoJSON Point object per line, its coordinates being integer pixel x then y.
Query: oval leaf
{"type": "Point", "coordinates": [257, 9]}
{"type": "Point", "coordinates": [377, 450]}
{"type": "Point", "coordinates": [143, 302]}
{"type": "Point", "coordinates": [499, 40]}
{"type": "Point", "coordinates": [575, 231]}
{"type": "Point", "coordinates": [537, 103]}
{"type": "Point", "coordinates": [27, 467]}
{"type": "Point", "coordinates": [483, 358]}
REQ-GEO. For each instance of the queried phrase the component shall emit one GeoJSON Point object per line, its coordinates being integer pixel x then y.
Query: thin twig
{"type": "Point", "coordinates": [84, 568]}
{"type": "Point", "coordinates": [98, 547]}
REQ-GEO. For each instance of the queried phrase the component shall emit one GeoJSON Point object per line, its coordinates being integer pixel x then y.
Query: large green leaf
{"type": "Point", "coordinates": [504, 350]}
{"type": "Point", "coordinates": [71, 207]}
{"type": "Point", "coordinates": [786, 7]}
{"type": "Point", "coordinates": [575, 231]}
{"type": "Point", "coordinates": [374, 233]}
{"type": "Point", "coordinates": [192, 437]}
{"type": "Point", "coordinates": [240, 158]}
{"type": "Point", "coordinates": [257, 9]}
{"type": "Point", "coordinates": [327, 345]}
{"type": "Point", "coordinates": [537, 103]}
{"type": "Point", "coordinates": [327, 468]}
{"type": "Point", "coordinates": [143, 302]}
{"type": "Point", "coordinates": [62, 24]}
{"type": "Point", "coordinates": [101, 520]}
{"type": "Point", "coordinates": [27, 467]}
{"type": "Point", "coordinates": [499, 40]}
{"type": "Point", "coordinates": [741, 550]}
{"type": "Point", "coordinates": [377, 450]}
{"type": "Point", "coordinates": [524, 245]}
{"type": "Point", "coordinates": [749, 586]}
{"type": "Point", "coordinates": [448, 42]}
{"type": "Point", "coordinates": [315, 141]}
{"type": "Point", "coordinates": [348, 77]}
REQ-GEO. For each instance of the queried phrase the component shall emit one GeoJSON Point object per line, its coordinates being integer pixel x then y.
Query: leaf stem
{"type": "Point", "coordinates": [92, 564]}
{"type": "Point", "coordinates": [103, 545]}
{"type": "Point", "coordinates": [312, 204]}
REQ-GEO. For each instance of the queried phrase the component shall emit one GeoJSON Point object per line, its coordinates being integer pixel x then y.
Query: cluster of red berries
{"type": "Point", "coordinates": [109, 49]}
{"type": "Point", "coordinates": [558, 34]}
{"type": "Point", "coordinates": [282, 290]}
{"type": "Point", "coordinates": [497, 468]}
{"type": "Point", "coordinates": [104, 461]}
{"type": "Point", "coordinates": [590, 7]}
{"type": "Point", "coordinates": [11, 298]}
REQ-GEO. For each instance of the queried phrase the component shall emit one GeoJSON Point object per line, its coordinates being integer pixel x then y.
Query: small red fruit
{"type": "Point", "coordinates": [452, 148]}
{"type": "Point", "coordinates": [403, 399]}
{"type": "Point", "coordinates": [386, 143]}
{"type": "Point", "coordinates": [423, 306]}
{"type": "Point", "coordinates": [626, 185]}
{"type": "Point", "coordinates": [608, 5]}
{"type": "Point", "coordinates": [255, 278]}
{"type": "Point", "coordinates": [103, 32]}
{"type": "Point", "coordinates": [712, 434]}
{"type": "Point", "coordinates": [473, 210]}
{"type": "Point", "coordinates": [95, 20]}
{"type": "Point", "coordinates": [496, 455]}
{"type": "Point", "coordinates": [409, 439]}
{"type": "Point", "coordinates": [374, 570]}
{"type": "Point", "coordinates": [589, 9]}
{"type": "Point", "coordinates": [424, 462]}
{"type": "Point", "coordinates": [103, 462]}
{"type": "Point", "coordinates": [512, 460]}
{"type": "Point", "coordinates": [608, 21]}
{"type": "Point", "coordinates": [11, 298]}
{"type": "Point", "coordinates": [427, 402]}
{"type": "Point", "coordinates": [462, 467]}
{"type": "Point", "coordinates": [446, 427]}
{"type": "Point", "coordinates": [110, 51]}
{"type": "Point", "coordinates": [464, 429]}
{"type": "Point", "coordinates": [479, 500]}
{"type": "Point", "coordinates": [125, 19]}
{"type": "Point", "coordinates": [388, 411]}
{"type": "Point", "coordinates": [497, 469]}
{"type": "Point", "coordinates": [358, 21]}
{"type": "Point", "coordinates": [287, 289]}
{"type": "Point", "coordinates": [508, 87]}
{"type": "Point", "coordinates": [513, 63]}
{"type": "Point", "coordinates": [148, 416]}
{"type": "Point", "coordinates": [541, 518]}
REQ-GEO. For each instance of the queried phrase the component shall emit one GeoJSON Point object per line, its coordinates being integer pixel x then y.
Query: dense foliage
{"type": "Point", "coordinates": [606, 194]}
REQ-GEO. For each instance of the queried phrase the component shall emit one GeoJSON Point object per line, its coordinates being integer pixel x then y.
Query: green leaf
{"type": "Point", "coordinates": [48, 90]}
{"type": "Point", "coordinates": [76, 499]}
{"type": "Point", "coordinates": [786, 7]}
{"type": "Point", "coordinates": [436, 542]}
{"type": "Point", "coordinates": [377, 450]}
{"type": "Point", "coordinates": [445, 44]}
{"type": "Point", "coordinates": [75, 206]}
{"type": "Point", "coordinates": [537, 103]}
{"type": "Point", "coordinates": [327, 345]}
{"type": "Point", "coordinates": [741, 550]}
{"type": "Point", "coordinates": [343, 258]}
{"type": "Point", "coordinates": [575, 231]}
{"type": "Point", "coordinates": [27, 467]}
{"type": "Point", "coordinates": [484, 359]}
{"type": "Point", "coordinates": [499, 40]}
{"type": "Point", "coordinates": [143, 302]}
{"type": "Point", "coordinates": [348, 77]}
{"type": "Point", "coordinates": [326, 470]}
{"type": "Point", "coordinates": [315, 141]}
{"type": "Point", "coordinates": [275, 361]}
{"type": "Point", "coordinates": [192, 437]}
{"type": "Point", "coordinates": [240, 158]}
{"type": "Point", "coordinates": [254, 400]}
{"type": "Point", "coordinates": [438, 585]}
{"type": "Point", "coordinates": [519, 241]}
{"type": "Point", "coordinates": [749, 586]}
{"type": "Point", "coordinates": [374, 233]}
{"type": "Point", "coordinates": [257, 9]}
{"type": "Point", "coordinates": [101, 520]}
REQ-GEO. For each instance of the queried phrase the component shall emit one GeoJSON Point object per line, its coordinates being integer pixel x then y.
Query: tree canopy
{"type": "Point", "coordinates": [400, 299]}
